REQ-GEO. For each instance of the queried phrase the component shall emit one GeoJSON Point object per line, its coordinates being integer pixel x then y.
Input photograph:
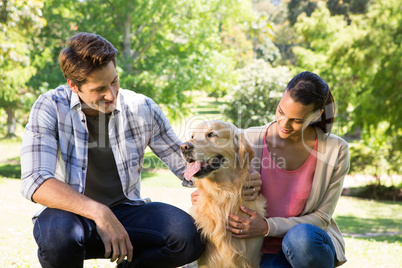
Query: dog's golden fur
{"type": "Point", "coordinates": [220, 193]}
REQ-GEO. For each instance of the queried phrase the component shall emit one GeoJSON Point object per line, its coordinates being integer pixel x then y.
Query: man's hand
{"type": "Point", "coordinates": [56, 194]}
{"type": "Point", "coordinates": [114, 237]}
{"type": "Point", "coordinates": [253, 186]}
{"type": "Point", "coordinates": [194, 197]}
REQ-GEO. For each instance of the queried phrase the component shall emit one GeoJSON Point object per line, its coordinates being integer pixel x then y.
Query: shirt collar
{"type": "Point", "coordinates": [118, 102]}
{"type": "Point", "coordinates": [75, 100]}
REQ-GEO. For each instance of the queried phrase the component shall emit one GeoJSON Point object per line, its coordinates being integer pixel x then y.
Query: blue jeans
{"type": "Point", "coordinates": [304, 245]}
{"type": "Point", "coordinates": [162, 236]}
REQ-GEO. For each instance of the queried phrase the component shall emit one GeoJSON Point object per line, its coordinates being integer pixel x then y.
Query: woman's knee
{"type": "Point", "coordinates": [300, 235]}
{"type": "Point", "coordinates": [307, 235]}
{"type": "Point", "coordinates": [308, 246]}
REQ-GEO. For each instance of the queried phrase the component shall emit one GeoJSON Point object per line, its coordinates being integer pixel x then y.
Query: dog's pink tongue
{"type": "Point", "coordinates": [192, 169]}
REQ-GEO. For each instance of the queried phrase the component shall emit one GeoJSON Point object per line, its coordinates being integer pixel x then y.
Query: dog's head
{"type": "Point", "coordinates": [216, 146]}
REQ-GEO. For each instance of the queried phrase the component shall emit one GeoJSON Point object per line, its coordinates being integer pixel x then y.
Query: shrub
{"type": "Point", "coordinates": [254, 100]}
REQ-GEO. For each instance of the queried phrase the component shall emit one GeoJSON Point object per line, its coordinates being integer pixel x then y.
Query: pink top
{"type": "Point", "coordinates": [286, 191]}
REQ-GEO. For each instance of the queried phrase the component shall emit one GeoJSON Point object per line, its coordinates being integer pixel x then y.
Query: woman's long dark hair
{"type": "Point", "coordinates": [308, 88]}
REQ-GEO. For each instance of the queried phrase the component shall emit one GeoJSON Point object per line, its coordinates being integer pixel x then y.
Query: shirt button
{"type": "Point", "coordinates": [83, 168]}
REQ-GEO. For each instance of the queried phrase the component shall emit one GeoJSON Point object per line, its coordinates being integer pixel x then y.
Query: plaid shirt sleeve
{"type": "Point", "coordinates": [164, 142]}
{"type": "Point", "coordinates": [39, 147]}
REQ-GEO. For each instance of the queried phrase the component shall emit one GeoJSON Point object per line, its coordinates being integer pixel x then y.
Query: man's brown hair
{"type": "Point", "coordinates": [85, 52]}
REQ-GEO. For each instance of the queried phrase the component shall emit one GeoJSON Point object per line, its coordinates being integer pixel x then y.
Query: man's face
{"type": "Point", "coordinates": [99, 92]}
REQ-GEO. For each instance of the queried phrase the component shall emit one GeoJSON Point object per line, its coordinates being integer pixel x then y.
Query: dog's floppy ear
{"type": "Point", "coordinates": [244, 152]}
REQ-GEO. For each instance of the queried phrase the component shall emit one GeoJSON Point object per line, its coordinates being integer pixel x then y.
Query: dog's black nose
{"type": "Point", "coordinates": [187, 146]}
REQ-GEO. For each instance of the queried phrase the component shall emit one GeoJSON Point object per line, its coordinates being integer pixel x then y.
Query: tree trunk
{"type": "Point", "coordinates": [11, 123]}
{"type": "Point", "coordinates": [127, 43]}
{"type": "Point", "coordinates": [4, 12]}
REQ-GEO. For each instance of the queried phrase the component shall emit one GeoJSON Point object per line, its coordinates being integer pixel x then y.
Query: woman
{"type": "Point", "coordinates": [302, 170]}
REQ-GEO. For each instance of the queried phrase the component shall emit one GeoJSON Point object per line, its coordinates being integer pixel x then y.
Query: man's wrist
{"type": "Point", "coordinates": [97, 211]}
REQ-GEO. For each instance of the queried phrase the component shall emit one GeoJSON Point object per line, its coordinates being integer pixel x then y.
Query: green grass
{"type": "Point", "coordinates": [159, 179]}
{"type": "Point", "coordinates": [9, 158]}
{"type": "Point", "coordinates": [372, 232]}
{"type": "Point", "coordinates": [372, 229]}
{"type": "Point", "coordinates": [204, 105]}
{"type": "Point", "coordinates": [9, 148]}
{"type": "Point", "coordinates": [11, 168]}
{"type": "Point", "coordinates": [359, 216]}
{"type": "Point", "coordinates": [152, 162]}
{"type": "Point", "coordinates": [371, 253]}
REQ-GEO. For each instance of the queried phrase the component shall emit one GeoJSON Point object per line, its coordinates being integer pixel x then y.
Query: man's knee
{"type": "Point", "coordinates": [189, 238]}
{"type": "Point", "coordinates": [188, 244]}
{"type": "Point", "coordinates": [59, 235]}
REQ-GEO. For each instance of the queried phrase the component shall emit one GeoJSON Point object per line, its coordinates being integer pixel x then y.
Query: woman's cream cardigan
{"type": "Point", "coordinates": [332, 166]}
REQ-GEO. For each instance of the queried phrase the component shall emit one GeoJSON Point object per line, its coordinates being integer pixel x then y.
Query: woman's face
{"type": "Point", "coordinates": [293, 116]}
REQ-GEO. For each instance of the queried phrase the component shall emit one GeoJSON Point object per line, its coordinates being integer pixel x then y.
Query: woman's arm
{"type": "Point", "coordinates": [320, 216]}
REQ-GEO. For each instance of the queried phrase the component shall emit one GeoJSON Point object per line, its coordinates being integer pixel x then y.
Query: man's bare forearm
{"type": "Point", "coordinates": [56, 194]}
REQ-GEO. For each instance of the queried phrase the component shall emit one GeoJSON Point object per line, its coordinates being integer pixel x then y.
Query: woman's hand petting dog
{"type": "Point", "coordinates": [254, 224]}
{"type": "Point", "coordinates": [253, 187]}
{"type": "Point", "coordinates": [246, 227]}
{"type": "Point", "coordinates": [249, 191]}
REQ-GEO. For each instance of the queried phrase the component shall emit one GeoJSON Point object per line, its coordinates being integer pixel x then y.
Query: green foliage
{"type": "Point", "coordinates": [361, 63]}
{"type": "Point", "coordinates": [268, 52]}
{"type": "Point", "coordinates": [63, 18]}
{"type": "Point", "coordinates": [336, 7]}
{"type": "Point", "coordinates": [373, 54]}
{"type": "Point", "coordinates": [298, 7]}
{"type": "Point", "coordinates": [377, 191]}
{"type": "Point", "coordinates": [345, 7]}
{"type": "Point", "coordinates": [20, 21]}
{"type": "Point", "coordinates": [375, 154]}
{"type": "Point", "coordinates": [165, 47]}
{"type": "Point", "coordinates": [254, 100]}
{"type": "Point", "coordinates": [361, 158]}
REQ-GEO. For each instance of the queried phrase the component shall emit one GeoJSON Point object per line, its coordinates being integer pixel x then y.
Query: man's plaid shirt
{"type": "Point", "coordinates": [55, 143]}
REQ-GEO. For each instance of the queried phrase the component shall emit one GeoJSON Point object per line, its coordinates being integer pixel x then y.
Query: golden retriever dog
{"type": "Point", "coordinates": [218, 159]}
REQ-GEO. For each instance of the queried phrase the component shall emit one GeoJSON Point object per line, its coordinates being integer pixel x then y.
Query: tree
{"type": "Point", "coordinates": [168, 47]}
{"type": "Point", "coordinates": [345, 7]}
{"type": "Point", "coordinates": [361, 62]}
{"type": "Point", "coordinates": [378, 68]}
{"type": "Point", "coordinates": [165, 47]}
{"type": "Point", "coordinates": [298, 7]}
{"type": "Point", "coordinates": [61, 17]}
{"type": "Point", "coordinates": [19, 22]}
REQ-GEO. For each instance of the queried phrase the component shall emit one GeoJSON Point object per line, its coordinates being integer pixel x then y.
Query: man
{"type": "Point", "coordinates": [81, 157]}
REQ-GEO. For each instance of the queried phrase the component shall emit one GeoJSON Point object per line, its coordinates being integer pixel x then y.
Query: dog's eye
{"type": "Point", "coordinates": [212, 134]}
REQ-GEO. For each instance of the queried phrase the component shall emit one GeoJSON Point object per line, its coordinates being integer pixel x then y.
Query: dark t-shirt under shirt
{"type": "Point", "coordinates": [102, 182]}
